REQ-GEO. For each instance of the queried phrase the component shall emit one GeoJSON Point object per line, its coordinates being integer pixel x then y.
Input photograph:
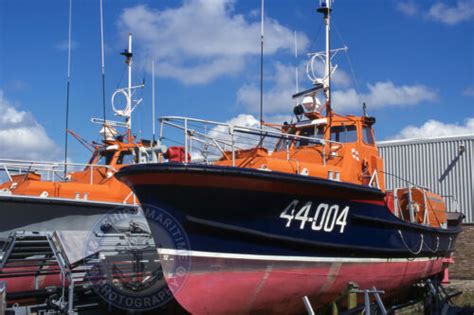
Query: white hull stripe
{"type": "Point", "coordinates": [193, 253]}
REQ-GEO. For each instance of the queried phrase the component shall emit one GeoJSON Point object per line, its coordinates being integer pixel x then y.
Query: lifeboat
{"type": "Point", "coordinates": [51, 196]}
{"type": "Point", "coordinates": [276, 214]}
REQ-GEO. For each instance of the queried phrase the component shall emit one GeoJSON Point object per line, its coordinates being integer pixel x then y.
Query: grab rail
{"type": "Point", "coordinates": [50, 170]}
{"type": "Point", "coordinates": [223, 137]}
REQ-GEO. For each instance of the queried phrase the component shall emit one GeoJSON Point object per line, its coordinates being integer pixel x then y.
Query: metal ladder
{"type": "Point", "coordinates": [38, 254]}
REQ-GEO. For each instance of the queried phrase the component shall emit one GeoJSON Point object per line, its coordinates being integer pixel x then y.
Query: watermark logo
{"type": "Point", "coordinates": [137, 259]}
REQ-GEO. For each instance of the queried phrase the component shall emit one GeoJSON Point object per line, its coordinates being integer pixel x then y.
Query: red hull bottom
{"type": "Point", "coordinates": [253, 284]}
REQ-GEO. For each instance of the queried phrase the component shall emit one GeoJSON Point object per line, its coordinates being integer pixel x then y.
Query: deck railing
{"type": "Point", "coordinates": [49, 171]}
{"type": "Point", "coordinates": [411, 204]}
{"type": "Point", "coordinates": [206, 141]}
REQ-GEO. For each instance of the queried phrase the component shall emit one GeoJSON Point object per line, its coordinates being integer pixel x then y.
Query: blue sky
{"type": "Point", "coordinates": [413, 63]}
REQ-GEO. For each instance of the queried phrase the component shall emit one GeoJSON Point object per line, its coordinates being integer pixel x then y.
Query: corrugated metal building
{"type": "Point", "coordinates": [445, 165]}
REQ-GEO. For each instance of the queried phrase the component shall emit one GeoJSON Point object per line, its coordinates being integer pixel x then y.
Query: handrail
{"type": "Point", "coordinates": [37, 164]}
{"type": "Point", "coordinates": [411, 203]}
{"type": "Point", "coordinates": [452, 198]}
{"type": "Point", "coordinates": [258, 131]}
{"type": "Point", "coordinates": [48, 169]}
{"type": "Point", "coordinates": [404, 180]}
{"type": "Point", "coordinates": [243, 129]}
{"type": "Point", "coordinates": [231, 135]}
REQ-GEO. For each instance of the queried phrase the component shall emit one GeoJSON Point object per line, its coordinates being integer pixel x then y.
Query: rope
{"type": "Point", "coordinates": [354, 79]}
{"type": "Point", "coordinates": [437, 246]}
{"type": "Point", "coordinates": [407, 247]}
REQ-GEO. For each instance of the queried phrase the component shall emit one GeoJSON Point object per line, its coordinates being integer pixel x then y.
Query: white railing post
{"type": "Point", "coordinates": [161, 129]}
{"type": "Point", "coordinates": [411, 207]}
{"type": "Point", "coordinates": [186, 140]}
{"type": "Point", "coordinates": [395, 202]}
{"type": "Point", "coordinates": [231, 131]}
{"type": "Point", "coordinates": [324, 152]}
{"type": "Point", "coordinates": [92, 173]}
{"type": "Point", "coordinates": [7, 172]}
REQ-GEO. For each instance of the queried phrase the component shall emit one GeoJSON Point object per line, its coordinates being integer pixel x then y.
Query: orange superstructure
{"type": "Point", "coordinates": [94, 182]}
{"type": "Point", "coordinates": [348, 154]}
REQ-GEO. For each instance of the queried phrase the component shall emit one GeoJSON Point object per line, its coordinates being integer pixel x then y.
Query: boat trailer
{"type": "Point", "coordinates": [47, 272]}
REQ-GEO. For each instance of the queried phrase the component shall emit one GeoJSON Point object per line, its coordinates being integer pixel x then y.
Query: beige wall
{"type": "Point", "coordinates": [463, 267]}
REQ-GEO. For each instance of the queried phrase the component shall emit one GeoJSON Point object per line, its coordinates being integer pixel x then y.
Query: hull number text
{"type": "Point", "coordinates": [326, 217]}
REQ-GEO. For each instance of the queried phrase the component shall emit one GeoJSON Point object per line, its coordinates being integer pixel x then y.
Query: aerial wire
{"type": "Point", "coordinates": [102, 66]}
{"type": "Point", "coordinates": [68, 88]}
{"type": "Point", "coordinates": [354, 78]}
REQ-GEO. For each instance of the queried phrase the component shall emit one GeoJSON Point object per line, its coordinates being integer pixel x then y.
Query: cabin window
{"type": "Point", "coordinates": [126, 157]}
{"type": "Point", "coordinates": [312, 132]}
{"type": "Point", "coordinates": [344, 134]}
{"type": "Point", "coordinates": [367, 135]}
{"type": "Point", "coordinates": [105, 158]}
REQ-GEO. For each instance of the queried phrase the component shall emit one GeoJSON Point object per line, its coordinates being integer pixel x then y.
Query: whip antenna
{"type": "Point", "coordinates": [68, 87]}
{"type": "Point", "coordinates": [153, 98]}
{"type": "Point", "coordinates": [296, 67]}
{"type": "Point", "coordinates": [261, 62]}
{"type": "Point", "coordinates": [102, 64]}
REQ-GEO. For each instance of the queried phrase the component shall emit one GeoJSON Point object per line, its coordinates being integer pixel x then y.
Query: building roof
{"type": "Point", "coordinates": [425, 140]}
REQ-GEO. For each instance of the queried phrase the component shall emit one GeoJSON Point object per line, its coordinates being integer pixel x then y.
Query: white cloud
{"type": "Point", "coordinates": [203, 39]}
{"type": "Point", "coordinates": [242, 120]}
{"type": "Point", "coordinates": [434, 128]}
{"type": "Point", "coordinates": [221, 133]}
{"type": "Point", "coordinates": [382, 94]}
{"type": "Point", "coordinates": [462, 11]}
{"type": "Point", "coordinates": [276, 99]}
{"type": "Point", "coordinates": [450, 13]}
{"type": "Point", "coordinates": [408, 8]}
{"type": "Point", "coordinates": [22, 137]}
{"type": "Point", "coordinates": [469, 91]}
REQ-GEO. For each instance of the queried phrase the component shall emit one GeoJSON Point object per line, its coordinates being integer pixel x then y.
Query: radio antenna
{"type": "Point", "coordinates": [102, 64]}
{"type": "Point", "coordinates": [296, 68]}
{"type": "Point", "coordinates": [153, 98]}
{"type": "Point", "coordinates": [68, 88]}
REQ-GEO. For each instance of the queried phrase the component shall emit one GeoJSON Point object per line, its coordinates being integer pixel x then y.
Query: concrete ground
{"type": "Point", "coordinates": [464, 300]}
{"type": "Point", "coordinates": [467, 287]}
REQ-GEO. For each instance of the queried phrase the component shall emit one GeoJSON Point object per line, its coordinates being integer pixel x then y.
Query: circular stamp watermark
{"type": "Point", "coordinates": [137, 260]}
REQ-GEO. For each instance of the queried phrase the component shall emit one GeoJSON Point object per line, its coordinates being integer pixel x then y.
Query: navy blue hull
{"type": "Point", "coordinates": [231, 210]}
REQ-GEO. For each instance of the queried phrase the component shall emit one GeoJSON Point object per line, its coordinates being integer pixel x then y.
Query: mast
{"type": "Point", "coordinates": [68, 87]}
{"type": "Point", "coordinates": [102, 64]}
{"type": "Point", "coordinates": [127, 93]}
{"type": "Point", "coordinates": [325, 9]}
{"type": "Point", "coordinates": [129, 56]}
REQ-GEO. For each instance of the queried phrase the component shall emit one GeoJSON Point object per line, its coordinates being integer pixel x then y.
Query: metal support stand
{"type": "Point", "coordinates": [352, 307]}
{"type": "Point", "coordinates": [3, 297]}
{"type": "Point", "coordinates": [308, 306]}
{"type": "Point", "coordinates": [436, 300]}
